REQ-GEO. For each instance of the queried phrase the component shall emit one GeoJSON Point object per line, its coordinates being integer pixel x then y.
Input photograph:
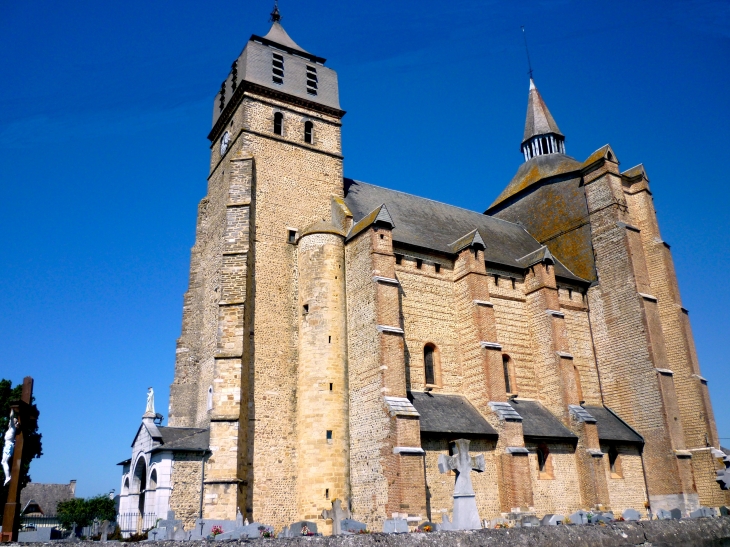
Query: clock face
{"type": "Point", "coordinates": [225, 139]}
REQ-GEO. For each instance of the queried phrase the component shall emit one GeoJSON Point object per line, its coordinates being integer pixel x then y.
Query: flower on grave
{"type": "Point", "coordinates": [264, 532]}
{"type": "Point", "coordinates": [365, 531]}
{"type": "Point", "coordinates": [567, 520]}
{"type": "Point", "coordinates": [589, 515]}
{"type": "Point", "coordinates": [427, 528]}
{"type": "Point", "coordinates": [619, 519]}
{"type": "Point", "coordinates": [305, 531]}
{"type": "Point", "coordinates": [216, 530]}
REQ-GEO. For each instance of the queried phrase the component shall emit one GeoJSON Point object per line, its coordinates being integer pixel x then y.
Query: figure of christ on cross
{"type": "Point", "coordinates": [465, 516]}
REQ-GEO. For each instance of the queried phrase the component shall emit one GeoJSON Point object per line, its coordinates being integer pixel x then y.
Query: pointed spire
{"type": "Point", "coordinates": [275, 15]}
{"type": "Point", "coordinates": [542, 135]}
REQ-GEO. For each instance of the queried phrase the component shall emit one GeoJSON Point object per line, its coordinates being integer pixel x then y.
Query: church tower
{"type": "Point", "coordinates": [261, 361]}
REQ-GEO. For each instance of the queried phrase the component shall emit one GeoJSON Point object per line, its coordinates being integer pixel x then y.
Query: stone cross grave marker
{"type": "Point", "coordinates": [170, 524]}
{"type": "Point", "coordinates": [104, 530]}
{"type": "Point", "coordinates": [465, 516]}
{"type": "Point", "coordinates": [336, 514]}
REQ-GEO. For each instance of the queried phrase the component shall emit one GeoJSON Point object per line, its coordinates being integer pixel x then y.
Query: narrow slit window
{"type": "Point", "coordinates": [437, 267]}
{"type": "Point", "coordinates": [277, 69]}
{"type": "Point", "coordinates": [329, 341]}
{"type": "Point", "coordinates": [278, 123]}
{"type": "Point", "coordinates": [292, 236]}
{"type": "Point", "coordinates": [329, 436]}
{"type": "Point", "coordinates": [398, 259]}
{"type": "Point", "coordinates": [327, 493]}
{"type": "Point", "coordinates": [419, 263]}
{"type": "Point", "coordinates": [505, 370]}
{"type": "Point", "coordinates": [428, 363]}
{"type": "Point", "coordinates": [306, 309]}
{"type": "Point", "coordinates": [312, 81]}
{"type": "Point", "coordinates": [308, 133]}
{"type": "Point", "coordinates": [330, 386]}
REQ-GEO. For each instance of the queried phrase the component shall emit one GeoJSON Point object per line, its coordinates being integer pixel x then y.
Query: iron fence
{"type": "Point", "coordinates": [136, 523]}
{"type": "Point", "coordinates": [29, 523]}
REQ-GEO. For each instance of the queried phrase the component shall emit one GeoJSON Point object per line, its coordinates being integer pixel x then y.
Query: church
{"type": "Point", "coordinates": [339, 336]}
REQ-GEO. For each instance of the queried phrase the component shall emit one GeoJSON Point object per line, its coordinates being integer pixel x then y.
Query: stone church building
{"type": "Point", "coordinates": [338, 336]}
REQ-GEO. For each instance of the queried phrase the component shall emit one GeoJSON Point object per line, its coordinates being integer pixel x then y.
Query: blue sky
{"type": "Point", "coordinates": [105, 108]}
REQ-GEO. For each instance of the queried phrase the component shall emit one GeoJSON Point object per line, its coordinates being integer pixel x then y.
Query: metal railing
{"type": "Point", "coordinates": [136, 523]}
{"type": "Point", "coordinates": [28, 523]}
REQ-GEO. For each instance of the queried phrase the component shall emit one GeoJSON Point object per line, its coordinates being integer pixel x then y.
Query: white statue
{"type": "Point", "coordinates": [9, 446]}
{"type": "Point", "coordinates": [150, 401]}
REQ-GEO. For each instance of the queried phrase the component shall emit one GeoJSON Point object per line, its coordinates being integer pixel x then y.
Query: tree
{"type": "Point", "coordinates": [32, 447]}
{"type": "Point", "coordinates": [84, 511]}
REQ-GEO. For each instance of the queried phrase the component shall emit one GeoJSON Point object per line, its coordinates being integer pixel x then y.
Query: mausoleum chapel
{"type": "Point", "coordinates": [342, 340]}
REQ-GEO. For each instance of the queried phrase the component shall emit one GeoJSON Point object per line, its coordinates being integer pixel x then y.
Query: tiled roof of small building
{"type": "Point", "coordinates": [436, 226]}
{"type": "Point", "coordinates": [46, 496]}
{"type": "Point", "coordinates": [539, 422]}
{"type": "Point", "coordinates": [184, 439]}
{"type": "Point", "coordinates": [611, 427]}
{"type": "Point", "coordinates": [451, 414]}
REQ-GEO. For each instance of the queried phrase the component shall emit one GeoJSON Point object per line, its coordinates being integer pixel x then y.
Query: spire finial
{"type": "Point", "coordinates": [529, 64]}
{"type": "Point", "coordinates": [275, 15]}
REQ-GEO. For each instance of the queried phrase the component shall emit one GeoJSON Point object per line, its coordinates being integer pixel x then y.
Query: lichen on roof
{"type": "Point", "coordinates": [535, 170]}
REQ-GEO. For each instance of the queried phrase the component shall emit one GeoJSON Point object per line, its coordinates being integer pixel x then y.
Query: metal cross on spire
{"type": "Point", "coordinates": [529, 64]}
{"type": "Point", "coordinates": [275, 15]}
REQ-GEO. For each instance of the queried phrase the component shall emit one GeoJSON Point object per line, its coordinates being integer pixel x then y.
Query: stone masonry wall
{"type": "Point", "coordinates": [186, 483]}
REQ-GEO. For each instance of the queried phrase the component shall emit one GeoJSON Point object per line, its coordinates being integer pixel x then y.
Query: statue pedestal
{"type": "Point", "coordinates": [466, 516]}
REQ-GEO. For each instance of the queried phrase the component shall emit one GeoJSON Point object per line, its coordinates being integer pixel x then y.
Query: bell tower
{"type": "Point", "coordinates": [542, 135]}
{"type": "Point", "coordinates": [275, 170]}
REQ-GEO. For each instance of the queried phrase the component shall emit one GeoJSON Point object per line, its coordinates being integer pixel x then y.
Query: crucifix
{"type": "Point", "coordinates": [21, 418]}
{"type": "Point", "coordinates": [171, 526]}
{"type": "Point", "coordinates": [466, 516]}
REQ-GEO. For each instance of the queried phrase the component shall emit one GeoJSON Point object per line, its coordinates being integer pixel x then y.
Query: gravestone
{"type": "Point", "coordinates": [296, 528]}
{"type": "Point", "coordinates": [336, 514]}
{"type": "Point", "coordinates": [663, 514]}
{"type": "Point", "coordinates": [676, 513]}
{"type": "Point", "coordinates": [39, 535]}
{"type": "Point", "coordinates": [528, 521]}
{"type": "Point", "coordinates": [239, 518]}
{"type": "Point", "coordinates": [395, 526]}
{"type": "Point", "coordinates": [702, 512]}
{"type": "Point", "coordinates": [104, 531]}
{"type": "Point", "coordinates": [631, 514]}
{"type": "Point", "coordinates": [445, 522]}
{"type": "Point", "coordinates": [579, 517]}
{"type": "Point", "coordinates": [465, 514]}
{"type": "Point", "coordinates": [352, 526]}
{"type": "Point", "coordinates": [552, 520]}
{"type": "Point", "coordinates": [724, 511]}
{"type": "Point", "coordinates": [606, 516]}
{"type": "Point", "coordinates": [203, 528]}
{"type": "Point", "coordinates": [173, 528]}
{"type": "Point", "coordinates": [249, 531]}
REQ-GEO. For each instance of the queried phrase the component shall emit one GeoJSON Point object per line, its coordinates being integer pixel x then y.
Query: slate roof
{"type": "Point", "coordinates": [539, 422]}
{"type": "Point", "coordinates": [536, 169]}
{"type": "Point", "coordinates": [46, 496]}
{"type": "Point", "coordinates": [278, 35]}
{"type": "Point", "coordinates": [539, 121]}
{"type": "Point", "coordinates": [611, 427]}
{"type": "Point", "coordinates": [452, 414]}
{"type": "Point", "coordinates": [436, 226]}
{"type": "Point", "coordinates": [183, 439]}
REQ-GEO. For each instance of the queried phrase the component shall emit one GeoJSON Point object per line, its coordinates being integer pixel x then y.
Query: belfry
{"type": "Point", "coordinates": [338, 337]}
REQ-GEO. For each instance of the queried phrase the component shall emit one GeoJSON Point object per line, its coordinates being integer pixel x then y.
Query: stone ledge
{"type": "Point", "coordinates": [704, 532]}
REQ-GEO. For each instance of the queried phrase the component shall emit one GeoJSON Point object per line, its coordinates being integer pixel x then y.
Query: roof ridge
{"type": "Point", "coordinates": [440, 203]}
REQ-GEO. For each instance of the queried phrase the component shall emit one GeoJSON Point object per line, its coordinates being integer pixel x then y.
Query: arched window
{"type": "Point", "coordinates": [153, 480]}
{"type": "Point", "coordinates": [278, 123]}
{"type": "Point", "coordinates": [308, 132]}
{"type": "Point", "coordinates": [125, 488]}
{"type": "Point", "coordinates": [210, 398]}
{"type": "Point", "coordinates": [429, 363]}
